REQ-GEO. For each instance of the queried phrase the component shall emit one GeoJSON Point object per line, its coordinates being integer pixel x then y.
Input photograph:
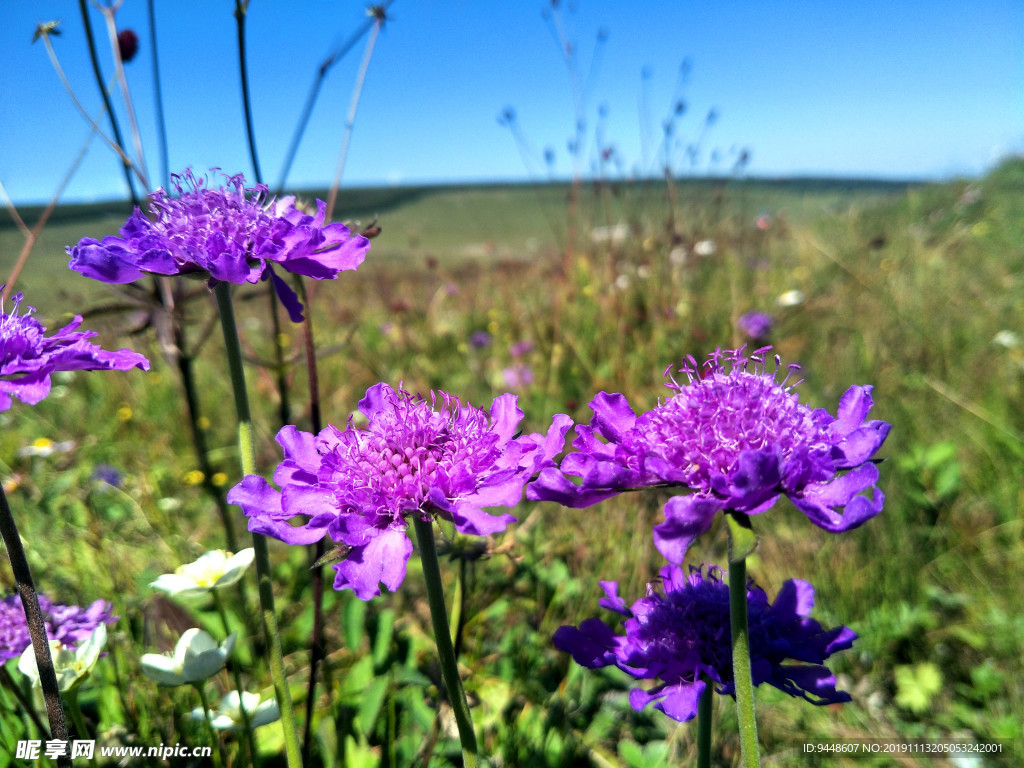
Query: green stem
{"type": "Point", "coordinates": [8, 682]}
{"type": "Point", "coordinates": [741, 663]}
{"type": "Point", "coordinates": [704, 727]}
{"type": "Point", "coordinates": [236, 675]}
{"type": "Point", "coordinates": [247, 453]}
{"type": "Point", "coordinates": [218, 758]}
{"type": "Point", "coordinates": [83, 8]}
{"type": "Point", "coordinates": [36, 625]}
{"type": "Point", "coordinates": [241, 8]}
{"type": "Point", "coordinates": [442, 635]}
{"type": "Point", "coordinates": [77, 719]}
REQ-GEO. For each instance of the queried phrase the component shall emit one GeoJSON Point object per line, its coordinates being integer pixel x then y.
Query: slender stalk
{"type": "Point", "coordinates": [332, 58]}
{"type": "Point", "coordinates": [317, 651]}
{"type": "Point", "coordinates": [704, 727]}
{"type": "Point", "coordinates": [77, 719]}
{"type": "Point", "coordinates": [158, 98]}
{"type": "Point", "coordinates": [218, 757]}
{"type": "Point", "coordinates": [8, 682]}
{"type": "Point", "coordinates": [442, 635]}
{"type": "Point", "coordinates": [108, 16]}
{"type": "Point", "coordinates": [350, 119]}
{"type": "Point", "coordinates": [36, 625]}
{"type": "Point", "coordinates": [241, 8]}
{"type": "Point", "coordinates": [247, 453]}
{"type": "Point", "coordinates": [236, 675]}
{"type": "Point", "coordinates": [118, 139]}
{"type": "Point", "coordinates": [741, 663]}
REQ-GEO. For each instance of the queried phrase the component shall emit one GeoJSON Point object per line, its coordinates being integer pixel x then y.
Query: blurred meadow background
{"type": "Point", "coordinates": [580, 277]}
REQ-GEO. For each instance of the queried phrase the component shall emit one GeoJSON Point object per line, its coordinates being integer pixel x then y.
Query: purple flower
{"type": "Point", "coordinates": [480, 340]}
{"type": "Point", "coordinates": [756, 325]}
{"type": "Point", "coordinates": [230, 234]}
{"type": "Point", "coordinates": [680, 635]}
{"type": "Point", "coordinates": [416, 457]}
{"type": "Point", "coordinates": [735, 436]}
{"type": "Point", "coordinates": [28, 357]}
{"type": "Point", "coordinates": [68, 624]}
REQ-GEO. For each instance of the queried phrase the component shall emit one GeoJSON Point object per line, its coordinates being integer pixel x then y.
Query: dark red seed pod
{"type": "Point", "coordinates": [128, 44]}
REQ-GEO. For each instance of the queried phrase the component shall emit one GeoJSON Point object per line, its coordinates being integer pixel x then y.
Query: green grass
{"type": "Point", "coordinates": [905, 289]}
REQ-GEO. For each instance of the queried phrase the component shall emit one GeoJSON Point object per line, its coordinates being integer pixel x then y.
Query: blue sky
{"type": "Point", "coordinates": [888, 89]}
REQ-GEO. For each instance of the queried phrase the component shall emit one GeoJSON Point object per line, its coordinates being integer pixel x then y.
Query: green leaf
{"type": "Point", "coordinates": [360, 754]}
{"type": "Point", "coordinates": [370, 705]}
{"type": "Point", "coordinates": [352, 623]}
{"type": "Point", "coordinates": [382, 640]}
{"type": "Point", "coordinates": [917, 685]}
{"type": "Point", "coordinates": [651, 755]}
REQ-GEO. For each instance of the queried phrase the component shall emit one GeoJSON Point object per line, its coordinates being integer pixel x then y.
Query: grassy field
{"type": "Point", "coordinates": [910, 288]}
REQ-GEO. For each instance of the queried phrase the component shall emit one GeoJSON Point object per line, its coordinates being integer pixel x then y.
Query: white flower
{"type": "Point", "coordinates": [790, 298]}
{"type": "Point", "coordinates": [228, 716]}
{"type": "Point", "coordinates": [196, 657]}
{"type": "Point", "coordinates": [212, 570]}
{"type": "Point", "coordinates": [71, 666]}
{"type": "Point", "coordinates": [44, 446]}
{"type": "Point", "coordinates": [705, 247]}
{"type": "Point", "coordinates": [1007, 339]}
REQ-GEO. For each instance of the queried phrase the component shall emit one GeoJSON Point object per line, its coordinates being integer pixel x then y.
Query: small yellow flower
{"type": "Point", "coordinates": [218, 479]}
{"type": "Point", "coordinates": [283, 340]}
{"type": "Point", "coordinates": [203, 423]}
{"type": "Point", "coordinates": [42, 443]}
{"type": "Point", "coordinates": [193, 477]}
{"type": "Point", "coordinates": [124, 413]}
{"type": "Point", "coordinates": [492, 327]}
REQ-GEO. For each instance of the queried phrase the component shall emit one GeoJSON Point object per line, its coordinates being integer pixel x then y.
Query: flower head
{"type": "Point", "coordinates": [738, 438]}
{"type": "Point", "coordinates": [230, 234]}
{"type": "Point", "coordinates": [196, 657]}
{"type": "Point", "coordinates": [213, 570]}
{"type": "Point", "coordinates": [680, 635]}
{"type": "Point", "coordinates": [28, 357]}
{"type": "Point", "coordinates": [72, 664]}
{"type": "Point", "coordinates": [756, 325]}
{"type": "Point", "coordinates": [68, 624]}
{"type": "Point", "coordinates": [228, 716]}
{"type": "Point", "coordinates": [415, 457]}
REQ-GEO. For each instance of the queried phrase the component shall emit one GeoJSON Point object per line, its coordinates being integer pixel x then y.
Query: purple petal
{"type": "Point", "coordinates": [686, 518]}
{"type": "Point", "coordinates": [818, 501]}
{"type": "Point", "coordinates": [381, 561]}
{"type": "Point", "coordinates": [287, 296]}
{"type": "Point", "coordinates": [613, 418]}
{"type": "Point", "coordinates": [552, 485]}
{"type": "Point", "coordinates": [505, 417]}
{"type": "Point", "coordinates": [853, 408]}
{"type": "Point", "coordinates": [680, 701]}
{"type": "Point", "coordinates": [611, 600]}
{"type": "Point", "coordinates": [262, 505]}
{"type": "Point", "coordinates": [592, 645]}
{"type": "Point", "coordinates": [377, 399]}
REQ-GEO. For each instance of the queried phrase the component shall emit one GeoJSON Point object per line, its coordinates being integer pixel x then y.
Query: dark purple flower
{"type": "Point", "coordinates": [230, 234]}
{"type": "Point", "coordinates": [735, 436]}
{"type": "Point", "coordinates": [680, 636]}
{"type": "Point", "coordinates": [108, 474]}
{"type": "Point", "coordinates": [28, 356]}
{"type": "Point", "coordinates": [68, 624]}
{"type": "Point", "coordinates": [480, 340]}
{"type": "Point", "coordinates": [415, 457]}
{"type": "Point", "coordinates": [756, 325]}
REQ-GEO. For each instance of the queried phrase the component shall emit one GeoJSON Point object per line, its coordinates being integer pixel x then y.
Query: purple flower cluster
{"type": "Point", "coordinates": [67, 623]}
{"type": "Point", "coordinates": [434, 457]}
{"type": "Point", "coordinates": [28, 356]}
{"type": "Point", "coordinates": [230, 234]}
{"type": "Point", "coordinates": [736, 437]}
{"type": "Point", "coordinates": [681, 637]}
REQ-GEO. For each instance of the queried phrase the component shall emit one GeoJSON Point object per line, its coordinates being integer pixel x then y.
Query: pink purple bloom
{"type": "Point", "coordinates": [68, 624]}
{"type": "Point", "coordinates": [435, 457]}
{"type": "Point", "coordinates": [756, 325]}
{"type": "Point", "coordinates": [230, 234]}
{"type": "Point", "coordinates": [680, 636]}
{"type": "Point", "coordinates": [736, 437]}
{"type": "Point", "coordinates": [28, 356]}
